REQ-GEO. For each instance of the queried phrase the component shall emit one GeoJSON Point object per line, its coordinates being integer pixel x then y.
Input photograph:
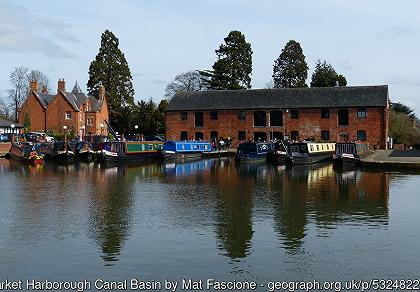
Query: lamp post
{"type": "Point", "coordinates": [83, 132]}
{"type": "Point", "coordinates": [13, 132]}
{"type": "Point", "coordinates": [102, 130]}
{"type": "Point", "coordinates": [136, 128]}
{"type": "Point", "coordinates": [65, 137]}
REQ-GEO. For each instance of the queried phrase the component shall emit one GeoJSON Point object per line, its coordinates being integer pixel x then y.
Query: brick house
{"type": "Point", "coordinates": [81, 113]}
{"type": "Point", "coordinates": [352, 113]}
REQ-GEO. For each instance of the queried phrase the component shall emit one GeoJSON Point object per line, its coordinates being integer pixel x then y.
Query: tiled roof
{"type": "Point", "coordinates": [315, 97]}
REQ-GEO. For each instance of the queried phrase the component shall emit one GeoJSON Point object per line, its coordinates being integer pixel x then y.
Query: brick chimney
{"type": "Point", "coordinates": [101, 92]}
{"type": "Point", "coordinates": [33, 85]}
{"type": "Point", "coordinates": [61, 85]}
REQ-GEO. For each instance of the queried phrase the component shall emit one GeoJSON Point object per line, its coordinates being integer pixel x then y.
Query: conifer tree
{"type": "Point", "coordinates": [110, 68]}
{"type": "Point", "coordinates": [325, 76]}
{"type": "Point", "coordinates": [290, 69]}
{"type": "Point", "coordinates": [233, 67]}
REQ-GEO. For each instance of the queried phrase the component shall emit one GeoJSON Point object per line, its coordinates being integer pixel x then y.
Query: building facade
{"type": "Point", "coordinates": [337, 114]}
{"type": "Point", "coordinates": [80, 113]}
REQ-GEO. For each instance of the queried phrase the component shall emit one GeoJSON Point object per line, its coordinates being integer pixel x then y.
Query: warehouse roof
{"type": "Point", "coordinates": [315, 97]}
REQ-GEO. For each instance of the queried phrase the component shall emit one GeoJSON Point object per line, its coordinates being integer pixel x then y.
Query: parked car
{"type": "Point", "coordinates": [37, 136]}
{"type": "Point", "coordinates": [4, 138]}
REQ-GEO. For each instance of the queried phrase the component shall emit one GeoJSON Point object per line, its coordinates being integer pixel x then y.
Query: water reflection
{"type": "Point", "coordinates": [215, 196]}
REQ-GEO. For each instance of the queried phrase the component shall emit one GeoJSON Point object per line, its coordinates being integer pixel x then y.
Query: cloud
{"type": "Point", "coordinates": [407, 81]}
{"type": "Point", "coordinates": [23, 32]}
{"type": "Point", "coordinates": [158, 81]}
{"type": "Point", "coordinates": [399, 31]}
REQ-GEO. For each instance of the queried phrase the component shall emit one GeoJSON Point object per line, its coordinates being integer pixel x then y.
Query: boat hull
{"type": "Point", "coordinates": [251, 158]}
{"type": "Point", "coordinates": [128, 158]}
{"type": "Point", "coordinates": [310, 159]}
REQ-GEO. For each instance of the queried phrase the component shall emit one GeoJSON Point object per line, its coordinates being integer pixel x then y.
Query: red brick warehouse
{"type": "Point", "coordinates": [338, 114]}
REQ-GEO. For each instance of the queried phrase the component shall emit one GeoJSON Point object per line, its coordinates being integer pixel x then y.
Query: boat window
{"type": "Point", "coordinates": [247, 148]}
{"type": "Point", "coordinates": [361, 135]}
{"type": "Point", "coordinates": [312, 148]}
{"type": "Point", "coordinates": [260, 119]}
{"type": "Point", "coordinates": [317, 147]}
{"type": "Point", "coordinates": [294, 148]}
{"type": "Point", "coordinates": [184, 135]}
{"type": "Point", "coordinates": [294, 114]}
{"type": "Point", "coordinates": [150, 146]}
{"type": "Point", "coordinates": [198, 119]}
{"type": "Point", "coordinates": [241, 135]}
{"type": "Point", "coordinates": [276, 118]}
{"type": "Point", "coordinates": [343, 117]}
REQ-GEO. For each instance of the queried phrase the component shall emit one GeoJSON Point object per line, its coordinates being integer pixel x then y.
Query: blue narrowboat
{"type": "Point", "coordinates": [185, 149]}
{"type": "Point", "coordinates": [254, 151]}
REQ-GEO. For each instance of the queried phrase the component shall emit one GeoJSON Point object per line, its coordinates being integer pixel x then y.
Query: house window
{"type": "Point", "coordinates": [199, 136]}
{"type": "Point", "coordinates": [343, 117]}
{"type": "Point", "coordinates": [87, 107]}
{"type": "Point", "coordinates": [241, 135]}
{"type": "Point", "coordinates": [294, 135]}
{"type": "Point", "coordinates": [214, 135]}
{"type": "Point", "coordinates": [198, 119]}
{"type": "Point", "coordinates": [294, 114]}
{"type": "Point", "coordinates": [325, 135]}
{"type": "Point", "coordinates": [89, 121]}
{"type": "Point", "coordinates": [325, 113]}
{"type": "Point", "coordinates": [213, 115]}
{"type": "Point", "coordinates": [241, 115]}
{"type": "Point", "coordinates": [361, 135]}
{"type": "Point", "coordinates": [276, 118]}
{"type": "Point", "coordinates": [361, 112]}
{"type": "Point", "coordinates": [184, 116]}
{"type": "Point", "coordinates": [68, 115]}
{"type": "Point", "coordinates": [260, 119]}
{"type": "Point", "coordinates": [184, 135]}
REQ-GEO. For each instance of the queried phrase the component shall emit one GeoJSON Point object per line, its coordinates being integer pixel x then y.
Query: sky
{"type": "Point", "coordinates": [370, 42]}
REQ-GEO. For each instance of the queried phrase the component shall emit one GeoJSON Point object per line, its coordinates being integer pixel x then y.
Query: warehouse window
{"type": "Point", "coordinates": [184, 135]}
{"type": "Point", "coordinates": [294, 135]}
{"type": "Point", "coordinates": [343, 117]}
{"type": "Point", "coordinates": [260, 119]}
{"type": "Point", "coordinates": [361, 112]}
{"type": "Point", "coordinates": [325, 113]}
{"type": "Point", "coordinates": [294, 114]}
{"type": "Point", "coordinates": [241, 135]}
{"type": "Point", "coordinates": [276, 118]}
{"type": "Point", "coordinates": [184, 116]}
{"type": "Point", "coordinates": [241, 115]}
{"type": "Point", "coordinates": [325, 135]}
{"type": "Point", "coordinates": [199, 136]}
{"type": "Point", "coordinates": [198, 119]}
{"type": "Point", "coordinates": [213, 115]}
{"type": "Point", "coordinates": [361, 135]}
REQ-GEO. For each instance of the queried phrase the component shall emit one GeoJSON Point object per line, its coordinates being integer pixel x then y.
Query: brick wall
{"type": "Point", "coordinates": [35, 111]}
{"type": "Point", "coordinates": [309, 125]}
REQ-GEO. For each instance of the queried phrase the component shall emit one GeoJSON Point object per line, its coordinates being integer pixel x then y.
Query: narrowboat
{"type": "Point", "coordinates": [83, 151]}
{"type": "Point", "coordinates": [25, 152]}
{"type": "Point", "coordinates": [185, 149]}
{"type": "Point", "coordinates": [310, 152]}
{"type": "Point", "coordinates": [351, 152]}
{"type": "Point", "coordinates": [129, 151]}
{"type": "Point", "coordinates": [254, 151]}
{"type": "Point", "coordinates": [281, 152]}
{"type": "Point", "coordinates": [61, 152]}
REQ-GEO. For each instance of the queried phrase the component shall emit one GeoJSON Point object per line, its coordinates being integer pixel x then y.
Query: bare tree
{"type": "Point", "coordinates": [40, 77]}
{"type": "Point", "coordinates": [18, 79]}
{"type": "Point", "coordinates": [6, 110]}
{"type": "Point", "coordinates": [269, 84]}
{"type": "Point", "coordinates": [188, 81]}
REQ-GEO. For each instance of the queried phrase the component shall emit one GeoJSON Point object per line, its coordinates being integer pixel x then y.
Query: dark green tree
{"type": "Point", "coordinates": [233, 67]}
{"type": "Point", "coordinates": [110, 68]}
{"type": "Point", "coordinates": [326, 76]}
{"type": "Point", "coordinates": [290, 69]}
{"type": "Point", "coordinates": [26, 123]}
{"type": "Point", "coordinates": [159, 116]}
{"type": "Point", "coordinates": [402, 108]}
